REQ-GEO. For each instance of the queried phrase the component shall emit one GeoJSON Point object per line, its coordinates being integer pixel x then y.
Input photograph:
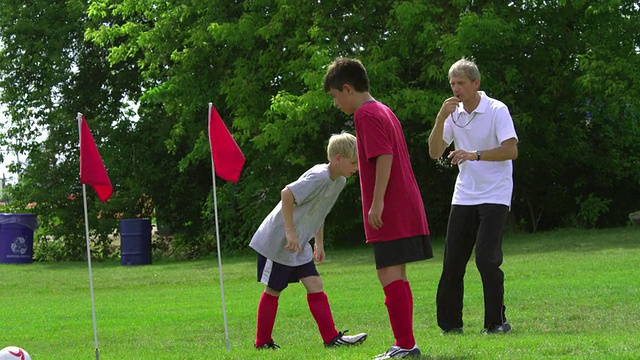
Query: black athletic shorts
{"type": "Point", "coordinates": [278, 276]}
{"type": "Point", "coordinates": [402, 251]}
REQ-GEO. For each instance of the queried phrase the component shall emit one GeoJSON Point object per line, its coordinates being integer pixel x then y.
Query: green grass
{"type": "Point", "coordinates": [569, 294]}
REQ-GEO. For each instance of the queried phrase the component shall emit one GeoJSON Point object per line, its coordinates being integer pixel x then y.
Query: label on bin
{"type": "Point", "coordinates": [19, 247]}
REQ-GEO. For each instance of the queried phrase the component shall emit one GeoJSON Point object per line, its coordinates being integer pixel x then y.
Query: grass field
{"type": "Point", "coordinates": [570, 294]}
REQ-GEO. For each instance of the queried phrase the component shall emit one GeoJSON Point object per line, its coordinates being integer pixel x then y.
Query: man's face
{"type": "Point", "coordinates": [342, 99]}
{"type": "Point", "coordinates": [463, 88]}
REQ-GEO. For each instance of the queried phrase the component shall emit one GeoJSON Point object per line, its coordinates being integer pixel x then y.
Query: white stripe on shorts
{"type": "Point", "coordinates": [266, 272]}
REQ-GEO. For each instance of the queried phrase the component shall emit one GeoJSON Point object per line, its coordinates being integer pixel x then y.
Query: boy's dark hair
{"type": "Point", "coordinates": [346, 71]}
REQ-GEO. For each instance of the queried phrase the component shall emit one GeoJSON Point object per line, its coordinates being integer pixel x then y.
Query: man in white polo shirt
{"type": "Point", "coordinates": [485, 142]}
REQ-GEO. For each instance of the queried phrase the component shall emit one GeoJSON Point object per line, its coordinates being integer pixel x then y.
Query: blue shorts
{"type": "Point", "coordinates": [278, 276]}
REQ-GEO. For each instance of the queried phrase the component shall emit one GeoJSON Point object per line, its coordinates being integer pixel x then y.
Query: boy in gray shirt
{"type": "Point", "coordinates": [282, 242]}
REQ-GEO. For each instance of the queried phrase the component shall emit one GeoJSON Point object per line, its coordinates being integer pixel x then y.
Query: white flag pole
{"type": "Point", "coordinates": [86, 227]}
{"type": "Point", "coordinates": [215, 207]}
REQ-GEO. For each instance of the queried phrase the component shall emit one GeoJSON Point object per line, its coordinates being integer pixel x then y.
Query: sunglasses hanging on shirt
{"type": "Point", "coordinates": [457, 120]}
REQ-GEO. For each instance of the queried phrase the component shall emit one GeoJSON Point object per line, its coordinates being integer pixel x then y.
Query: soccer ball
{"type": "Point", "coordinates": [14, 353]}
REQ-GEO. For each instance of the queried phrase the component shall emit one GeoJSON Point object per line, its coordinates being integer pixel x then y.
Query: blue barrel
{"type": "Point", "coordinates": [16, 238]}
{"type": "Point", "coordinates": [135, 241]}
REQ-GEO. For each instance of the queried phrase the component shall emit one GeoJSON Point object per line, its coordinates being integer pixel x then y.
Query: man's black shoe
{"type": "Point", "coordinates": [505, 328]}
{"type": "Point", "coordinates": [454, 331]}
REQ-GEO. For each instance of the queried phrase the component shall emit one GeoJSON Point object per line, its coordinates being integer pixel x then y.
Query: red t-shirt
{"type": "Point", "coordinates": [379, 132]}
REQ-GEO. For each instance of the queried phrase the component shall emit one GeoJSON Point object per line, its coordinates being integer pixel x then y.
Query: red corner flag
{"type": "Point", "coordinates": [228, 159]}
{"type": "Point", "coordinates": [92, 171]}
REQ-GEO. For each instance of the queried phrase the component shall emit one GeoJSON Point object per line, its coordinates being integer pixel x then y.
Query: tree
{"type": "Point", "coordinates": [561, 67]}
{"type": "Point", "coordinates": [49, 73]}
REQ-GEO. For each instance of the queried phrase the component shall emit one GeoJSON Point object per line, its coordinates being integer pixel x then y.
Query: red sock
{"type": "Point", "coordinates": [267, 309]}
{"type": "Point", "coordinates": [406, 283]}
{"type": "Point", "coordinates": [319, 306]}
{"type": "Point", "coordinates": [398, 304]}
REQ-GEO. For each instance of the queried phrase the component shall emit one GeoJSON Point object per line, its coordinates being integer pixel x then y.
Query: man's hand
{"type": "Point", "coordinates": [459, 156]}
{"type": "Point", "coordinates": [448, 106]}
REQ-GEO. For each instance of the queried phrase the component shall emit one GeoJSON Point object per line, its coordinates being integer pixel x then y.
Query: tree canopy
{"type": "Point", "coordinates": [143, 73]}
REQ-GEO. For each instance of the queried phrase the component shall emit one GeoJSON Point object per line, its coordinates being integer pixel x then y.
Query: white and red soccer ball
{"type": "Point", "coordinates": [14, 353]}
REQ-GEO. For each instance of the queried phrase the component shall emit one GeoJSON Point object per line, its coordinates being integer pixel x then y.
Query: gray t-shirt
{"type": "Point", "coordinates": [315, 194]}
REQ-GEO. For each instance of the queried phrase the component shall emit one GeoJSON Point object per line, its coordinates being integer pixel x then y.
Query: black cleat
{"type": "Point", "coordinates": [268, 346]}
{"type": "Point", "coordinates": [345, 340]}
{"type": "Point", "coordinates": [398, 352]}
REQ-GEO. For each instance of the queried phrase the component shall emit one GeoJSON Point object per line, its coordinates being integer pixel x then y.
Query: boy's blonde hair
{"type": "Point", "coordinates": [343, 144]}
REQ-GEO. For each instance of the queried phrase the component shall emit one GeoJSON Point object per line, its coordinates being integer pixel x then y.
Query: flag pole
{"type": "Point", "coordinates": [215, 207]}
{"type": "Point", "coordinates": [86, 227]}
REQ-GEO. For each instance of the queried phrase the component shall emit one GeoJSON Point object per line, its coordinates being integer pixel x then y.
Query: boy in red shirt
{"type": "Point", "coordinates": [395, 220]}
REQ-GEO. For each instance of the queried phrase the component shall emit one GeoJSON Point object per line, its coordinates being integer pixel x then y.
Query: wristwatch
{"type": "Point", "coordinates": [478, 154]}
